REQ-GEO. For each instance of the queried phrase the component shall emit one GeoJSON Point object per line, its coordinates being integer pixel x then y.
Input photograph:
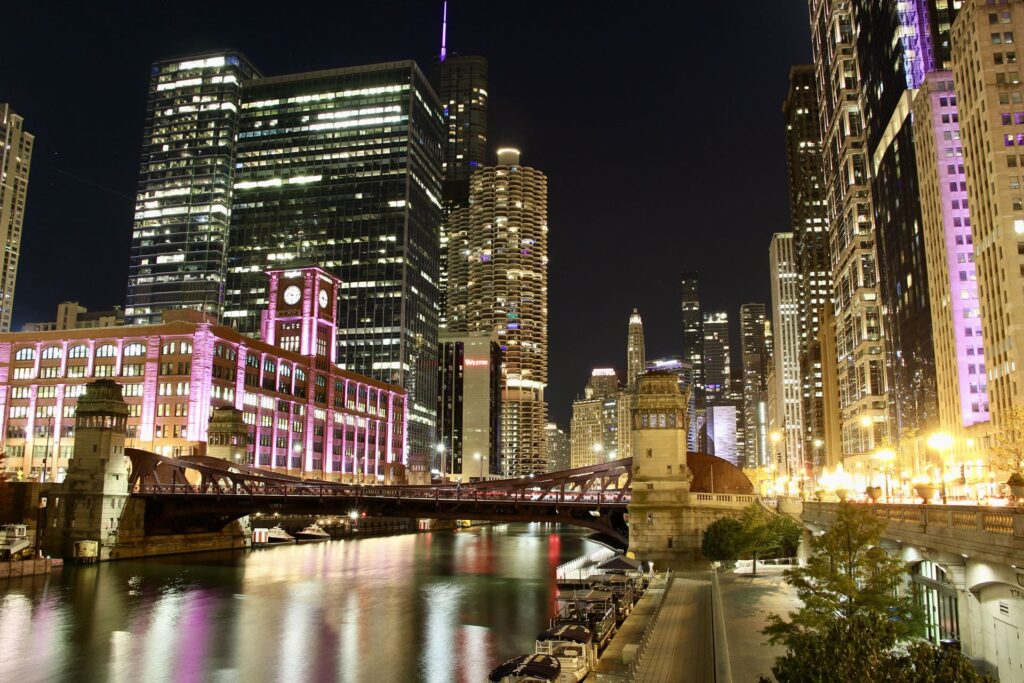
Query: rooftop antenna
{"type": "Point", "coordinates": [444, 30]}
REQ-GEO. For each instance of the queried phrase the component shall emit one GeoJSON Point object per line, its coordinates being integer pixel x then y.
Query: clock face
{"type": "Point", "coordinates": [292, 295]}
{"type": "Point", "coordinates": [324, 298]}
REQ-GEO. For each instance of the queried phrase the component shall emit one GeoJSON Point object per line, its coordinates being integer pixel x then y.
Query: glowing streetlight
{"type": "Point", "coordinates": [886, 456]}
{"type": "Point", "coordinates": [476, 456]}
{"type": "Point", "coordinates": [941, 441]}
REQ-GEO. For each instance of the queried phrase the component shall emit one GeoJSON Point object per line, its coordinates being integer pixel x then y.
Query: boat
{"type": "Point", "coordinates": [277, 535]}
{"type": "Point", "coordinates": [573, 646]}
{"type": "Point", "coordinates": [621, 587]}
{"type": "Point", "coordinates": [533, 668]}
{"type": "Point", "coordinates": [590, 608]}
{"type": "Point", "coordinates": [312, 534]}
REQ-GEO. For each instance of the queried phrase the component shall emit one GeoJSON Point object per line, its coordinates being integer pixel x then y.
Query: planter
{"type": "Point", "coordinates": [874, 493]}
{"type": "Point", "coordinates": [818, 493]}
{"type": "Point", "coordinates": [925, 491]}
{"type": "Point", "coordinates": [842, 495]}
{"type": "Point", "coordinates": [1017, 491]}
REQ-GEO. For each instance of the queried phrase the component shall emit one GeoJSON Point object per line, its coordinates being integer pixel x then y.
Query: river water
{"type": "Point", "coordinates": [442, 606]}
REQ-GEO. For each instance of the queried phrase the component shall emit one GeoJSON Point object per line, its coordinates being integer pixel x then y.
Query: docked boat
{"type": "Point", "coordinates": [621, 587]}
{"type": "Point", "coordinates": [590, 608]}
{"type": "Point", "coordinates": [573, 646]}
{"type": "Point", "coordinates": [277, 535]}
{"type": "Point", "coordinates": [533, 668]}
{"type": "Point", "coordinates": [312, 534]}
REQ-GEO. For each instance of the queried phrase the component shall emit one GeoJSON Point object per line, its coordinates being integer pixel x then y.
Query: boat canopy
{"type": "Point", "coordinates": [544, 667]}
{"type": "Point", "coordinates": [610, 579]}
{"type": "Point", "coordinates": [587, 596]}
{"type": "Point", "coordinates": [620, 562]}
{"type": "Point", "coordinates": [572, 632]}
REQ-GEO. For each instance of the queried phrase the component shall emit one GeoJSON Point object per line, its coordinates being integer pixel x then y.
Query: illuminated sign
{"type": "Point", "coordinates": [476, 362]}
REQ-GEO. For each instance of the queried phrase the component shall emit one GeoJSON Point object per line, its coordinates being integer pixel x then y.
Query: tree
{"type": "Point", "coordinates": [853, 615]}
{"type": "Point", "coordinates": [1008, 449]}
{"type": "Point", "coordinates": [721, 540]}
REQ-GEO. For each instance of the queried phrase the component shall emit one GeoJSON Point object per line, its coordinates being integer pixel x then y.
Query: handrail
{"type": "Point", "coordinates": [997, 521]}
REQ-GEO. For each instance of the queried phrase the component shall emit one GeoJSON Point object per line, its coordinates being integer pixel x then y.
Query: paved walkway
{"type": "Point", "coordinates": [681, 650]}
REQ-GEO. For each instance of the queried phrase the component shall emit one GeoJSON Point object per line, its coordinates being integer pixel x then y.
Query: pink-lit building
{"type": "Point", "coordinates": [305, 415]}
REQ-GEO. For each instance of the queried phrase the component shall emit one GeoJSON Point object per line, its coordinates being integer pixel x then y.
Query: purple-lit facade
{"type": "Point", "coordinates": [305, 415]}
{"type": "Point", "coordinates": [949, 244]}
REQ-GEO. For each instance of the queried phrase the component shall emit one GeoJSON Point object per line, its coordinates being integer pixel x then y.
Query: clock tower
{"type": "Point", "coordinates": [302, 310]}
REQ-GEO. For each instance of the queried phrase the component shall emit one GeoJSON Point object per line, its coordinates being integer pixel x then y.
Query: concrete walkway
{"type": "Point", "coordinates": [681, 649]}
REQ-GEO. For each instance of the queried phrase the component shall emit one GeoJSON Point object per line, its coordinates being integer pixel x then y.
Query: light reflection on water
{"type": "Point", "coordinates": [443, 606]}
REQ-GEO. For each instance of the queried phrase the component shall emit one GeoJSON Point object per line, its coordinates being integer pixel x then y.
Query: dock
{"type": "Point", "coordinates": [573, 574]}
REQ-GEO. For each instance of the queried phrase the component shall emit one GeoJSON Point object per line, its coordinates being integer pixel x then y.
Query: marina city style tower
{"type": "Point", "coordinates": [506, 266]}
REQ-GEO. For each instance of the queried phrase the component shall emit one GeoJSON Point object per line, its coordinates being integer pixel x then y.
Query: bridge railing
{"type": "Point", "coordinates": [997, 521]}
{"type": "Point", "coordinates": [728, 499]}
{"type": "Point", "coordinates": [332, 490]}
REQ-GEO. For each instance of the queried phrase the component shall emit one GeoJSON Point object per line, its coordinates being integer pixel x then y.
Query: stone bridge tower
{"type": "Point", "coordinates": [95, 491]}
{"type": "Point", "coordinates": [227, 436]}
{"type": "Point", "coordinates": [660, 514]}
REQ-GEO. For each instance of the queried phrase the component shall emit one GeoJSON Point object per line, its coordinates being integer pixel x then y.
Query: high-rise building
{"type": "Point", "coordinates": [342, 168]}
{"type": "Point", "coordinates": [785, 360]}
{"type": "Point", "coordinates": [468, 406]}
{"type": "Point", "coordinates": [716, 360]}
{"type": "Point", "coordinates": [949, 247]}
{"type": "Point", "coordinates": [846, 163]}
{"type": "Point", "coordinates": [898, 43]}
{"type": "Point", "coordinates": [594, 433]}
{"type": "Point", "coordinates": [693, 351]}
{"type": "Point", "coordinates": [186, 184]}
{"type": "Point", "coordinates": [755, 364]}
{"type": "Point", "coordinates": [461, 86]}
{"type": "Point", "coordinates": [636, 362]}
{"type": "Point", "coordinates": [684, 369]}
{"type": "Point", "coordinates": [987, 92]}
{"type": "Point", "coordinates": [559, 457]}
{"type": "Point", "coordinates": [809, 218]}
{"type": "Point", "coordinates": [15, 163]}
{"type": "Point", "coordinates": [508, 294]}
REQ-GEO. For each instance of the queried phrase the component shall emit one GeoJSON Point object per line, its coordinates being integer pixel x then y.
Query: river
{"type": "Point", "coordinates": [441, 606]}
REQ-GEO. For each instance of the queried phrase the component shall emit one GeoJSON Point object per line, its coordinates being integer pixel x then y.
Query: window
{"type": "Point", "coordinates": [169, 348]}
{"type": "Point", "coordinates": [80, 351]}
{"type": "Point", "coordinates": [51, 352]}
{"type": "Point", "coordinates": [135, 349]}
{"type": "Point", "coordinates": [106, 351]}
{"type": "Point", "coordinates": [26, 353]}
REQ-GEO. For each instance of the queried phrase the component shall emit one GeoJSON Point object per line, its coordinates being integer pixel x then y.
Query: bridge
{"type": "Point", "coordinates": [204, 494]}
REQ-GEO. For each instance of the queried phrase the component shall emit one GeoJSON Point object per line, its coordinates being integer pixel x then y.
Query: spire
{"type": "Point", "coordinates": [444, 30]}
{"type": "Point", "coordinates": [635, 354]}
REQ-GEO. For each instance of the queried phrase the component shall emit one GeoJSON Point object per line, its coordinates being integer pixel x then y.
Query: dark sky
{"type": "Point", "coordinates": [658, 125]}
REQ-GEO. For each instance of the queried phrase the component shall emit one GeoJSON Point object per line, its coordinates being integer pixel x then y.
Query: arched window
{"type": "Point", "coordinates": [252, 360]}
{"type": "Point", "coordinates": [169, 348]}
{"type": "Point", "coordinates": [269, 365]}
{"type": "Point", "coordinates": [51, 352]}
{"type": "Point", "coordinates": [300, 375]}
{"type": "Point", "coordinates": [135, 349]}
{"type": "Point", "coordinates": [106, 351]}
{"type": "Point", "coordinates": [286, 370]}
{"type": "Point", "coordinates": [80, 351]}
{"type": "Point", "coordinates": [185, 347]}
{"type": "Point", "coordinates": [26, 353]}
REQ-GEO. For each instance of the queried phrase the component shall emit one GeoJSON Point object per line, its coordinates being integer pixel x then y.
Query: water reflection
{"type": "Point", "coordinates": [445, 606]}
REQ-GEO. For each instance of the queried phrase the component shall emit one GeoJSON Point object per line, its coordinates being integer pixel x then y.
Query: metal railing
{"type": "Point", "coordinates": [649, 629]}
{"type": "Point", "coordinates": [562, 571]}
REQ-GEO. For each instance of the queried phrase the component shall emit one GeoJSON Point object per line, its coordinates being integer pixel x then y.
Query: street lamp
{"type": "Point", "coordinates": [597, 448]}
{"type": "Point", "coordinates": [941, 441]}
{"type": "Point", "coordinates": [440, 452]}
{"type": "Point", "coordinates": [476, 456]}
{"type": "Point", "coordinates": [886, 456]}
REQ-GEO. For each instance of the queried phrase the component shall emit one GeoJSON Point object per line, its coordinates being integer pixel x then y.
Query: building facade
{"type": "Point", "coordinates": [559, 448]}
{"type": "Point", "coordinates": [72, 316]}
{"type": "Point", "coordinates": [949, 248]}
{"type": "Point", "coordinates": [183, 204]}
{"type": "Point", "coordinates": [636, 354]}
{"type": "Point", "coordinates": [342, 168]}
{"type": "Point", "coordinates": [595, 434]}
{"type": "Point", "coordinates": [754, 351]}
{"type": "Point", "coordinates": [507, 294]}
{"type": "Point", "coordinates": [15, 163]}
{"type": "Point", "coordinates": [306, 416]}
{"type": "Point", "coordinates": [468, 406]}
{"type": "Point", "coordinates": [860, 344]}
{"type": "Point", "coordinates": [809, 220]}
{"type": "Point", "coordinates": [693, 351]}
{"type": "Point", "coordinates": [716, 361]}
{"type": "Point", "coordinates": [785, 361]}
{"type": "Point", "coordinates": [988, 90]}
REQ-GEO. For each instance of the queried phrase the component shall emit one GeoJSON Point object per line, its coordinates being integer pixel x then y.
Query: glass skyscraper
{"type": "Point", "coordinates": [183, 203]}
{"type": "Point", "coordinates": [342, 168]}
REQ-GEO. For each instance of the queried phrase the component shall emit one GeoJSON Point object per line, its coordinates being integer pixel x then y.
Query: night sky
{"type": "Point", "coordinates": [658, 124]}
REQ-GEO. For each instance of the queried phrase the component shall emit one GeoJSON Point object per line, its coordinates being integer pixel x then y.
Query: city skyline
{"type": "Point", "coordinates": [84, 186]}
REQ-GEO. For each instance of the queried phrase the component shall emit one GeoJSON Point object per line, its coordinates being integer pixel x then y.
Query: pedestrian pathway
{"type": "Point", "coordinates": [681, 649]}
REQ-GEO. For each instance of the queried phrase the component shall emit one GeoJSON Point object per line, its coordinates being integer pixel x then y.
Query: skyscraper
{"type": "Point", "coordinates": [343, 168]}
{"type": "Point", "coordinates": [594, 433]}
{"type": "Point", "coordinates": [987, 91]}
{"type": "Point", "coordinates": [636, 361]}
{"type": "Point", "coordinates": [846, 162]}
{"type": "Point", "coordinates": [15, 163]}
{"type": "Point", "coordinates": [809, 218]}
{"type": "Point", "coordinates": [508, 294]}
{"type": "Point", "coordinates": [717, 364]}
{"type": "Point", "coordinates": [949, 247]}
{"type": "Point", "coordinates": [558, 448]}
{"type": "Point", "coordinates": [461, 86]}
{"type": "Point", "coordinates": [786, 312]}
{"type": "Point", "coordinates": [693, 331]}
{"type": "Point", "coordinates": [186, 185]}
{"type": "Point", "coordinates": [755, 365]}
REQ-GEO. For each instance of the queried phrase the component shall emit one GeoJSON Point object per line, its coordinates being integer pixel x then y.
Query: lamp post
{"type": "Point", "coordinates": [440, 453]}
{"type": "Point", "coordinates": [480, 460]}
{"type": "Point", "coordinates": [885, 456]}
{"type": "Point", "coordinates": [941, 441]}
{"type": "Point", "coordinates": [597, 448]}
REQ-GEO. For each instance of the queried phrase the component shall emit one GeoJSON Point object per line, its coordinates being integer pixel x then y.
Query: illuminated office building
{"type": "Point", "coordinates": [559, 448]}
{"type": "Point", "coordinates": [636, 364]}
{"type": "Point", "coordinates": [785, 361]}
{"type": "Point", "coordinates": [754, 351]}
{"type": "Point", "coordinates": [716, 360]}
{"type": "Point", "coordinates": [15, 163]}
{"type": "Point", "coordinates": [183, 204]}
{"type": "Point", "coordinates": [594, 433]}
